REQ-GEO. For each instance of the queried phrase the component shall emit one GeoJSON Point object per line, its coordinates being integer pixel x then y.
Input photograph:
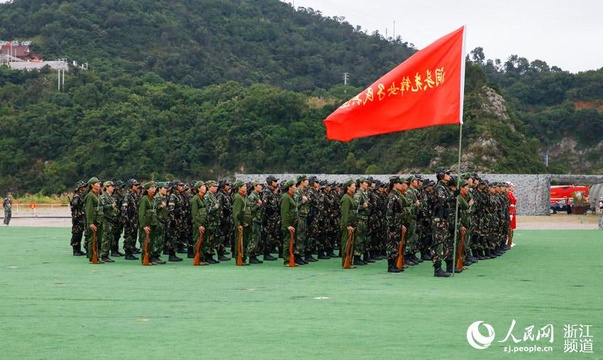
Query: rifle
{"type": "Point", "coordinates": [459, 259]}
{"type": "Point", "coordinates": [400, 260]}
{"type": "Point", "coordinates": [94, 251]}
{"type": "Point", "coordinates": [291, 244]}
{"type": "Point", "coordinates": [145, 259]}
{"type": "Point", "coordinates": [197, 259]}
{"type": "Point", "coordinates": [240, 248]}
{"type": "Point", "coordinates": [347, 263]}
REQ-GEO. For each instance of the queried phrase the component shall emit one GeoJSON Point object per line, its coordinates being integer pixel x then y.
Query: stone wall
{"type": "Point", "coordinates": [531, 190]}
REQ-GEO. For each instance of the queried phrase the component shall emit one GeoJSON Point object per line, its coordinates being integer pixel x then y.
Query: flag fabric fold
{"type": "Point", "coordinates": [425, 90]}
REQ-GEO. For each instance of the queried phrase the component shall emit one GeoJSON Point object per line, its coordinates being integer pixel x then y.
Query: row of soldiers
{"type": "Point", "coordinates": [296, 219]}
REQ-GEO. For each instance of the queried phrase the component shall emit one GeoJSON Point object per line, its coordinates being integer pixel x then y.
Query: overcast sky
{"type": "Point", "coordinates": [567, 33]}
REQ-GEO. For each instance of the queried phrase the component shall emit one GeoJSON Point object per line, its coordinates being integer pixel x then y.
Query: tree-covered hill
{"type": "Point", "coordinates": [202, 89]}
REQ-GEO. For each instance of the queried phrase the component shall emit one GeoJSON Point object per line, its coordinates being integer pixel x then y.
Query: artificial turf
{"type": "Point", "coordinates": [56, 306]}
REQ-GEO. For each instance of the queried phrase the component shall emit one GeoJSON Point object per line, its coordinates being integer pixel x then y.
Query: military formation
{"type": "Point", "coordinates": [451, 222]}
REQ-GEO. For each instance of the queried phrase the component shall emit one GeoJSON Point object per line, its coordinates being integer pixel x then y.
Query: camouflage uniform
{"type": "Point", "coordinates": [161, 204]}
{"type": "Point", "coordinates": [78, 218]}
{"type": "Point", "coordinates": [213, 225]}
{"type": "Point", "coordinates": [321, 222]}
{"type": "Point", "coordinates": [110, 221]}
{"type": "Point", "coordinates": [441, 223]}
{"type": "Point", "coordinates": [361, 236]}
{"type": "Point", "coordinates": [174, 239]}
{"type": "Point", "coordinates": [271, 221]}
{"type": "Point", "coordinates": [225, 233]}
{"type": "Point", "coordinates": [129, 215]}
{"type": "Point", "coordinates": [398, 208]}
{"type": "Point", "coordinates": [303, 209]}
{"type": "Point", "coordinates": [257, 213]}
{"type": "Point", "coordinates": [118, 226]}
{"type": "Point", "coordinates": [412, 236]}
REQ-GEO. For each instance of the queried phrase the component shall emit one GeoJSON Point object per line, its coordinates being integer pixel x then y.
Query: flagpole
{"type": "Point", "coordinates": [456, 212]}
{"type": "Point", "coordinates": [458, 178]}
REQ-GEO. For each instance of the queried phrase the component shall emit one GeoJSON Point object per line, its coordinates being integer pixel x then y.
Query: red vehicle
{"type": "Point", "coordinates": [562, 195]}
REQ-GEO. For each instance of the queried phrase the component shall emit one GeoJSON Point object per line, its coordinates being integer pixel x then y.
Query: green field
{"type": "Point", "coordinates": [56, 306]}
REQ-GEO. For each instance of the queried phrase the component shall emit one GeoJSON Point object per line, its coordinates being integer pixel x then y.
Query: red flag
{"type": "Point", "coordinates": [425, 90]}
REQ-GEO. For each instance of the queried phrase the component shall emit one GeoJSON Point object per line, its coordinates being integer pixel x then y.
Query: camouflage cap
{"type": "Point", "coordinates": [162, 184]}
{"type": "Point", "coordinates": [133, 182]}
{"type": "Point", "coordinates": [209, 183]}
{"type": "Point", "coordinates": [270, 179]}
{"type": "Point", "coordinates": [363, 179]}
{"type": "Point", "coordinates": [80, 184]}
{"type": "Point", "coordinates": [395, 179]}
{"type": "Point", "coordinates": [119, 184]}
{"type": "Point", "coordinates": [238, 184]}
{"type": "Point", "coordinates": [108, 183]}
{"type": "Point", "coordinates": [198, 184]}
{"type": "Point", "coordinates": [301, 178]}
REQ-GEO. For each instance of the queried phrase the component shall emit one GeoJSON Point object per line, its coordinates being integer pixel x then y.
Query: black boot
{"type": "Point", "coordinates": [391, 266]}
{"type": "Point", "coordinates": [437, 270]}
{"type": "Point", "coordinates": [450, 268]}
{"type": "Point", "coordinates": [299, 260]}
{"type": "Point", "coordinates": [130, 256]}
{"type": "Point", "coordinates": [358, 261]}
{"type": "Point", "coordinates": [173, 257]}
{"type": "Point", "coordinates": [367, 257]}
{"type": "Point", "coordinates": [309, 258]}
{"type": "Point", "coordinates": [210, 259]}
{"type": "Point", "coordinates": [77, 251]}
{"type": "Point", "coordinates": [268, 257]}
{"type": "Point", "coordinates": [222, 256]}
{"type": "Point", "coordinates": [190, 253]}
{"type": "Point", "coordinates": [255, 260]}
{"type": "Point", "coordinates": [115, 253]}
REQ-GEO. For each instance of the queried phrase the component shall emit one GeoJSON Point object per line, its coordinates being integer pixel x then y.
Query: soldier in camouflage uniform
{"type": "Point", "coordinates": [93, 209]}
{"type": "Point", "coordinates": [225, 234]}
{"type": "Point", "coordinates": [174, 239]}
{"type": "Point", "coordinates": [321, 221]}
{"type": "Point", "coordinates": [110, 219]}
{"type": "Point", "coordinates": [271, 226]}
{"type": "Point", "coordinates": [361, 236]}
{"type": "Point", "coordinates": [335, 215]}
{"type": "Point", "coordinates": [313, 230]}
{"type": "Point", "coordinates": [412, 236]}
{"type": "Point", "coordinates": [161, 200]}
{"type": "Point", "coordinates": [303, 210]}
{"type": "Point", "coordinates": [118, 226]}
{"type": "Point", "coordinates": [424, 219]}
{"type": "Point", "coordinates": [442, 240]}
{"type": "Point", "coordinates": [397, 206]}
{"type": "Point", "coordinates": [254, 200]}
{"type": "Point", "coordinates": [465, 204]}
{"type": "Point", "coordinates": [78, 217]}
{"type": "Point", "coordinates": [479, 221]}
{"type": "Point", "coordinates": [129, 214]}
{"type": "Point", "coordinates": [374, 221]}
{"type": "Point", "coordinates": [213, 222]}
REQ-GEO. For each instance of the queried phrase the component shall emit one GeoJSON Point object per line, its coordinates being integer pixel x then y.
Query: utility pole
{"type": "Point", "coordinates": [346, 76]}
